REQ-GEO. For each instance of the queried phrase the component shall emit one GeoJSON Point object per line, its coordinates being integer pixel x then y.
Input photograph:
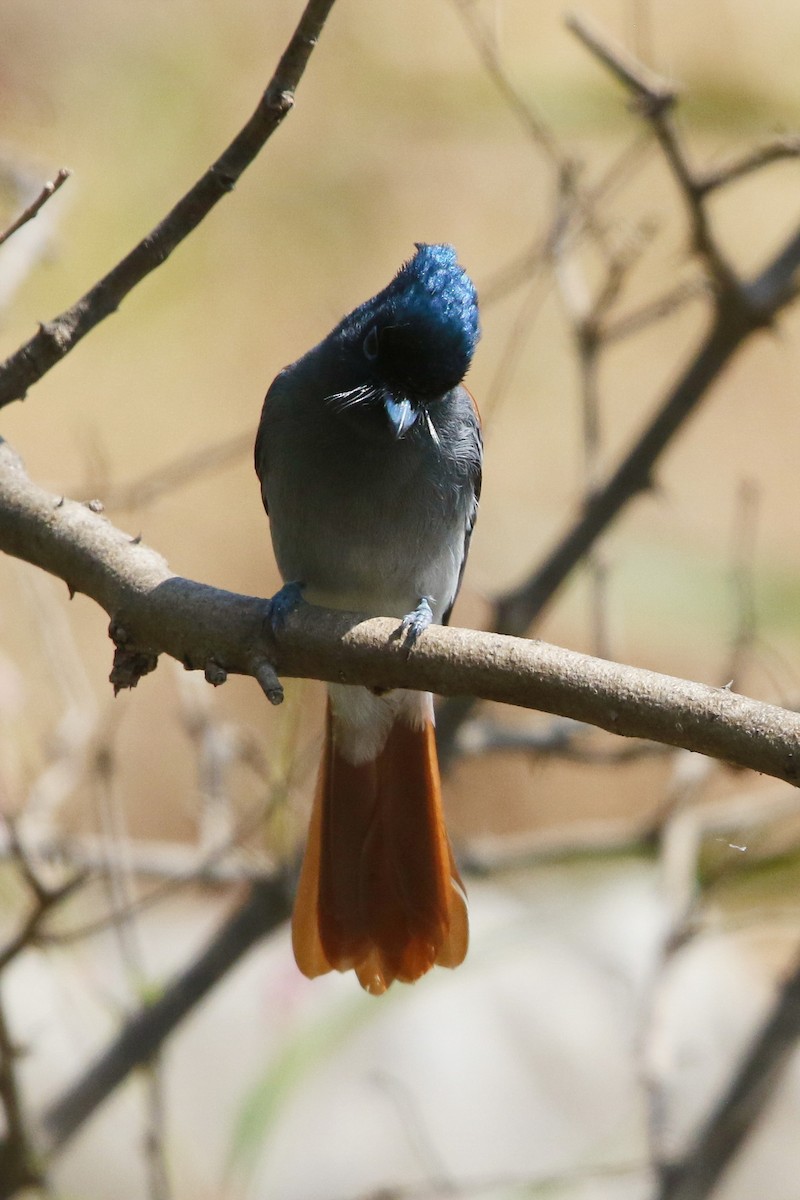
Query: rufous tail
{"type": "Point", "coordinates": [379, 891]}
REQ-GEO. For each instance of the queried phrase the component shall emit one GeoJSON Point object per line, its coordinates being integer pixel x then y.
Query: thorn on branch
{"type": "Point", "coordinates": [653, 96]}
{"type": "Point", "coordinates": [227, 180]}
{"type": "Point", "coordinates": [57, 334]}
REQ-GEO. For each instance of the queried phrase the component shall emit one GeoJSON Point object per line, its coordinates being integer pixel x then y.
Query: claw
{"type": "Point", "coordinates": [416, 622]}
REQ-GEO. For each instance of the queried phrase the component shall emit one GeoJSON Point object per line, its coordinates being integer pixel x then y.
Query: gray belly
{"type": "Point", "coordinates": [362, 554]}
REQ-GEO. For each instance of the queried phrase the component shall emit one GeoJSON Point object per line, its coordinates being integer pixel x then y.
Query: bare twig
{"type": "Point", "coordinates": [217, 748]}
{"type": "Point", "coordinates": [173, 862]}
{"type": "Point", "coordinates": [650, 90]}
{"type": "Point", "coordinates": [174, 865]}
{"type": "Point", "coordinates": [601, 838]}
{"type": "Point", "coordinates": [34, 240]}
{"type": "Point", "coordinates": [120, 898]}
{"type": "Point", "coordinates": [655, 99]}
{"type": "Point", "coordinates": [31, 211]}
{"type": "Point", "coordinates": [517, 609]}
{"type": "Point", "coordinates": [45, 900]}
{"type": "Point", "coordinates": [531, 121]}
{"type": "Point", "coordinates": [586, 314]}
{"type": "Point", "coordinates": [778, 150]}
{"type": "Point", "coordinates": [27, 935]}
{"type": "Point", "coordinates": [561, 739]}
{"type": "Point", "coordinates": [81, 724]}
{"type": "Point", "coordinates": [627, 324]}
{"type": "Point", "coordinates": [524, 265]}
{"type": "Point", "coordinates": [57, 337]}
{"type": "Point", "coordinates": [519, 332]}
{"type": "Point", "coordinates": [117, 879]}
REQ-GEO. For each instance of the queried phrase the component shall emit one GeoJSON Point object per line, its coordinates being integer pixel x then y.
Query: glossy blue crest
{"type": "Point", "coordinates": [416, 338]}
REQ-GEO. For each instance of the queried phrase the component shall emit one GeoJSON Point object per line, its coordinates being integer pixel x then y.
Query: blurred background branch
{"type": "Point", "coordinates": [741, 308]}
{"type": "Point", "coordinates": [33, 208]}
{"type": "Point", "coordinates": [750, 1090]}
{"type": "Point", "coordinates": [266, 906]}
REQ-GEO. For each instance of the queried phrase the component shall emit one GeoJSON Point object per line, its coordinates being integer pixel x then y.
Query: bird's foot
{"type": "Point", "coordinates": [283, 604]}
{"type": "Point", "coordinates": [416, 622]}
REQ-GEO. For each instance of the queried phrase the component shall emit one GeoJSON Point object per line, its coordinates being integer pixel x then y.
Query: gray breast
{"type": "Point", "coordinates": [365, 520]}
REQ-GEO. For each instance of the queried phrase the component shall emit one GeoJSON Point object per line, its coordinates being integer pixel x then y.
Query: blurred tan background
{"type": "Point", "coordinates": [397, 136]}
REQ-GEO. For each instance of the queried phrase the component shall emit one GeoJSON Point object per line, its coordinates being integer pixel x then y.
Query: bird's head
{"type": "Point", "coordinates": [414, 341]}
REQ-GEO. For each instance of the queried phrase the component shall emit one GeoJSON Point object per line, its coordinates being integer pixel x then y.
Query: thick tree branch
{"type": "Point", "coordinates": [153, 612]}
{"type": "Point", "coordinates": [57, 337]}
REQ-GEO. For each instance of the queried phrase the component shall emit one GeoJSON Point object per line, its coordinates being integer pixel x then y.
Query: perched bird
{"type": "Point", "coordinates": [369, 455]}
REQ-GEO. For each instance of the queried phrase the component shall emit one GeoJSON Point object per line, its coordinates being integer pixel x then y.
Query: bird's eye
{"type": "Point", "coordinates": [370, 345]}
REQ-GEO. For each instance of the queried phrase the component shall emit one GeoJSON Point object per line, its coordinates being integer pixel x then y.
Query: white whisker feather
{"type": "Point", "coordinates": [432, 428]}
{"type": "Point", "coordinates": [342, 401]}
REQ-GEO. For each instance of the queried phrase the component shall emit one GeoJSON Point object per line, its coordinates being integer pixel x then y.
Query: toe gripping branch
{"type": "Point", "coordinates": [416, 622]}
{"type": "Point", "coordinates": [279, 609]}
{"type": "Point", "coordinates": [283, 604]}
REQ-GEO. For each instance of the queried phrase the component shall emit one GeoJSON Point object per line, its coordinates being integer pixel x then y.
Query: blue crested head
{"type": "Point", "coordinates": [416, 338]}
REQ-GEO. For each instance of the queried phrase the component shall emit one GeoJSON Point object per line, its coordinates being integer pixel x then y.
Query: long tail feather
{"type": "Point", "coordinates": [379, 892]}
{"type": "Point", "coordinates": [306, 943]}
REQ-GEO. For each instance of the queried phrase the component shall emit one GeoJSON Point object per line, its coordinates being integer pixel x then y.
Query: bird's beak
{"type": "Point", "coordinates": [401, 414]}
